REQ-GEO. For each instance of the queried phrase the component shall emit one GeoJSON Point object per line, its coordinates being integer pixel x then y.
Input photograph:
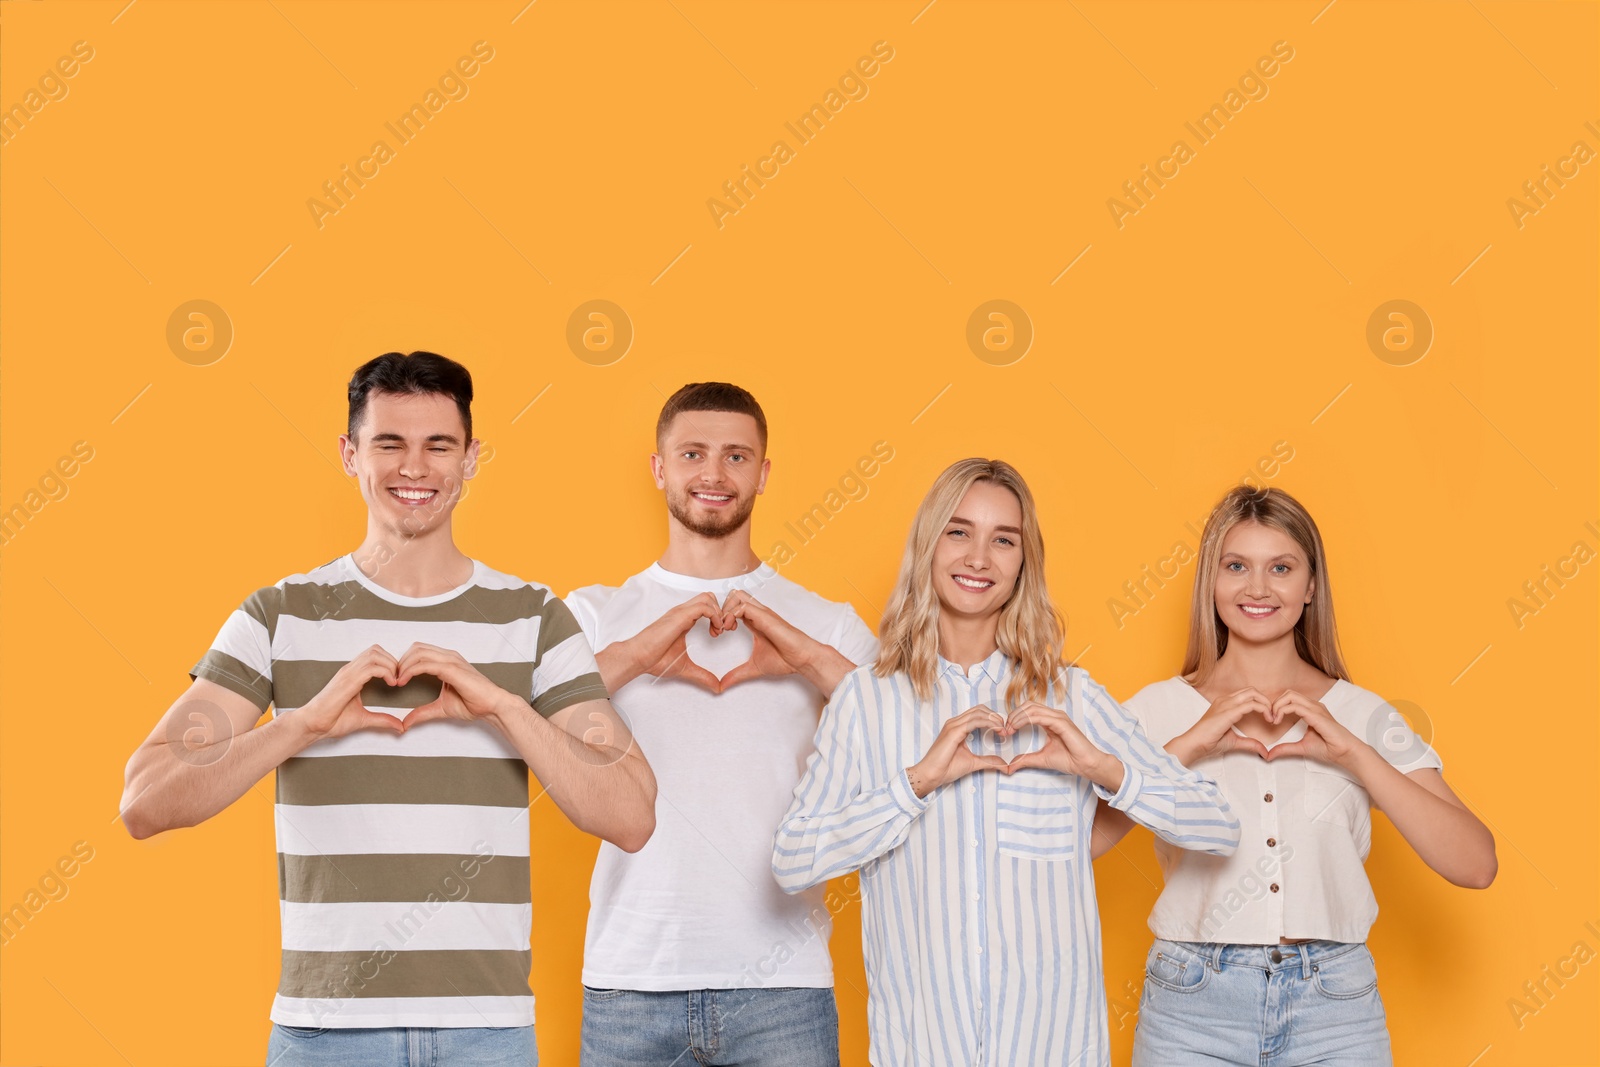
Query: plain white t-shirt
{"type": "Point", "coordinates": [698, 907]}
{"type": "Point", "coordinates": [1305, 828]}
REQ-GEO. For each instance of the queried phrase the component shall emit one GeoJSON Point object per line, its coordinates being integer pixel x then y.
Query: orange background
{"type": "Point", "coordinates": [1227, 315]}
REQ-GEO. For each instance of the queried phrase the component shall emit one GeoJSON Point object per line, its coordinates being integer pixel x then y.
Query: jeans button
{"type": "Point", "coordinates": [1277, 957]}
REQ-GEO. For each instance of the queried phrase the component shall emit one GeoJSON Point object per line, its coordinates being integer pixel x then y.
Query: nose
{"type": "Point", "coordinates": [414, 465]}
{"type": "Point", "coordinates": [977, 554]}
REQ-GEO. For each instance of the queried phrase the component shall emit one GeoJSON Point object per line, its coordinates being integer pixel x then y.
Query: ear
{"type": "Point", "coordinates": [347, 453]}
{"type": "Point", "coordinates": [658, 470]}
{"type": "Point", "coordinates": [761, 483]}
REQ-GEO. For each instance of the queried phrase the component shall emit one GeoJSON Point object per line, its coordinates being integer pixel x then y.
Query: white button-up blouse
{"type": "Point", "coordinates": [1306, 829]}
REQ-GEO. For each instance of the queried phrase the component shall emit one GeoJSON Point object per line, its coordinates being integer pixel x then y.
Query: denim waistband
{"type": "Point", "coordinates": [1301, 957]}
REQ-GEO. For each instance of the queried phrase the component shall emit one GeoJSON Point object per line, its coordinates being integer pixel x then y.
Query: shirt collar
{"type": "Point", "coordinates": [995, 667]}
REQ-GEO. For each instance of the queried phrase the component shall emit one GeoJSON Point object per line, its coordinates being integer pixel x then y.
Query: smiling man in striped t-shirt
{"type": "Point", "coordinates": [412, 689]}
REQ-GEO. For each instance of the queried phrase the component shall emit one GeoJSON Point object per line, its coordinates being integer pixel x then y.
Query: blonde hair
{"type": "Point", "coordinates": [1316, 638]}
{"type": "Point", "coordinates": [1031, 630]}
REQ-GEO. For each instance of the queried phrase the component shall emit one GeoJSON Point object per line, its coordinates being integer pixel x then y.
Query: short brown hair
{"type": "Point", "coordinates": [711, 396]}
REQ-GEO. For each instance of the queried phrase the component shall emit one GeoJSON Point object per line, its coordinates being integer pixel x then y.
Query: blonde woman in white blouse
{"type": "Point", "coordinates": [1260, 955]}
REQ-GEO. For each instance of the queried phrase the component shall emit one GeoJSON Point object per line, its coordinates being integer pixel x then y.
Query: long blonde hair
{"type": "Point", "coordinates": [1316, 638]}
{"type": "Point", "coordinates": [1031, 630]}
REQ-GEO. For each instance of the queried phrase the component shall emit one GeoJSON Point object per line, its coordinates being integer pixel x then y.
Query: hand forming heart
{"type": "Point", "coordinates": [1215, 734]}
{"type": "Point", "coordinates": [1325, 739]}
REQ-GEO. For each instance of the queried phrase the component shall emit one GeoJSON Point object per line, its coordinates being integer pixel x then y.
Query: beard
{"type": "Point", "coordinates": [680, 505]}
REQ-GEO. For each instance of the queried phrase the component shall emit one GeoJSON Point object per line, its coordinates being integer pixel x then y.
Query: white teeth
{"type": "Point", "coordinates": [970, 584]}
{"type": "Point", "coordinates": [1257, 611]}
{"type": "Point", "coordinates": [412, 494]}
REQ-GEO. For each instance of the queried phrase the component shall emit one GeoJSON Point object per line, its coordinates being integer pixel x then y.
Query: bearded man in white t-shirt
{"type": "Point", "coordinates": [721, 668]}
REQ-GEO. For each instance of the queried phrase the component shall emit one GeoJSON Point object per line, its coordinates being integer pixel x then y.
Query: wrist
{"type": "Point", "coordinates": [1107, 772]}
{"type": "Point", "coordinates": [507, 710]}
{"type": "Point", "coordinates": [922, 783]}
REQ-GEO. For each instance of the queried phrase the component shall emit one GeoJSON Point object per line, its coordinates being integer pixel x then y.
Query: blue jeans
{"type": "Point", "coordinates": [400, 1046]}
{"type": "Point", "coordinates": [1261, 1006]}
{"type": "Point", "coordinates": [791, 1027]}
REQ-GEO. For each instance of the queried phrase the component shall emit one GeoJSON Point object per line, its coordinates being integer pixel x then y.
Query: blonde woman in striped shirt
{"type": "Point", "coordinates": [959, 775]}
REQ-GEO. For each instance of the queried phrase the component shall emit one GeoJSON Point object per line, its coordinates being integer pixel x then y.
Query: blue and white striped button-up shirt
{"type": "Point", "coordinates": [980, 929]}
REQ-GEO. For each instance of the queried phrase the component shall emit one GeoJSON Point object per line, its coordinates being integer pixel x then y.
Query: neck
{"type": "Point", "coordinates": [967, 641]}
{"type": "Point", "coordinates": [708, 557]}
{"type": "Point", "coordinates": [424, 564]}
{"type": "Point", "coordinates": [1270, 666]}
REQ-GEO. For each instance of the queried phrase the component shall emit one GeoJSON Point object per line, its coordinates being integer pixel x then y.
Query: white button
{"type": "Point", "coordinates": [974, 842]}
{"type": "Point", "coordinates": [977, 897]}
{"type": "Point", "coordinates": [972, 789]}
{"type": "Point", "coordinates": [978, 949]}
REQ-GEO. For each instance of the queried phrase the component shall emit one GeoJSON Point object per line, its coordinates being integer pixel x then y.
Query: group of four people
{"type": "Point", "coordinates": [736, 741]}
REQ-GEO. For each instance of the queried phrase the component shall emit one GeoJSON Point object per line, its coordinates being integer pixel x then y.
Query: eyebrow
{"type": "Point", "coordinates": [1001, 529]}
{"type": "Point", "coordinates": [1271, 559]}
{"type": "Point", "coordinates": [445, 438]}
{"type": "Point", "coordinates": [681, 445]}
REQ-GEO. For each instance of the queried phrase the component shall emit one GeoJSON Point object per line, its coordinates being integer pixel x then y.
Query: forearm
{"type": "Point", "coordinates": [1448, 838]}
{"type": "Point", "coordinates": [171, 785]}
{"type": "Point", "coordinates": [617, 666]}
{"type": "Point", "coordinates": [826, 668]}
{"type": "Point", "coordinates": [606, 791]}
{"type": "Point", "coordinates": [1110, 826]}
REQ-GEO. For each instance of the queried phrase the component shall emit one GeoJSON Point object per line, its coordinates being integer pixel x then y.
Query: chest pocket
{"type": "Point", "coordinates": [1335, 798]}
{"type": "Point", "coordinates": [1038, 813]}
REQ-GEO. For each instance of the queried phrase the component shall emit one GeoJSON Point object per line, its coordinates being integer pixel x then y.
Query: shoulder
{"type": "Point", "coordinates": [313, 594]}
{"type": "Point", "coordinates": [1168, 693]}
{"type": "Point", "coordinates": [514, 596]}
{"type": "Point", "coordinates": [591, 598]}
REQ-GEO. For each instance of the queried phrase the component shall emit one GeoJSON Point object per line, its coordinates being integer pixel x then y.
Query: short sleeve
{"type": "Point", "coordinates": [582, 603]}
{"type": "Point", "coordinates": [854, 641]}
{"type": "Point", "coordinates": [240, 657]}
{"type": "Point", "coordinates": [1387, 731]}
{"type": "Point", "coordinates": [564, 670]}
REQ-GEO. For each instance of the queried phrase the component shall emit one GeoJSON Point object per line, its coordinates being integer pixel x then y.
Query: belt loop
{"type": "Point", "coordinates": [1216, 957]}
{"type": "Point", "coordinates": [1305, 960]}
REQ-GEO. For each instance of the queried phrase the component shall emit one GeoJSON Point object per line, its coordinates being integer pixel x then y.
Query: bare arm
{"type": "Point", "coordinates": [588, 762]}
{"type": "Point", "coordinates": [206, 750]}
{"type": "Point", "coordinates": [1432, 819]}
{"type": "Point", "coordinates": [1426, 811]}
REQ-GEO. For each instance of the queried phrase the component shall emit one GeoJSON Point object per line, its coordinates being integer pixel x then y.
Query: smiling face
{"type": "Point", "coordinates": [978, 556]}
{"type": "Point", "coordinates": [411, 459]}
{"type": "Point", "coordinates": [1264, 582]}
{"type": "Point", "coordinates": [712, 469]}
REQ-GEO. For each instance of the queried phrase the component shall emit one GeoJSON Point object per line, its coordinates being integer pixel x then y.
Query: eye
{"type": "Point", "coordinates": [1005, 540]}
{"type": "Point", "coordinates": [691, 455]}
{"type": "Point", "coordinates": [955, 531]}
{"type": "Point", "coordinates": [1281, 568]}
{"type": "Point", "coordinates": [1234, 565]}
{"type": "Point", "coordinates": [439, 448]}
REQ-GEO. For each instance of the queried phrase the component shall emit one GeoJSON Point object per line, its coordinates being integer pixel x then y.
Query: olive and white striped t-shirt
{"type": "Point", "coordinates": [403, 860]}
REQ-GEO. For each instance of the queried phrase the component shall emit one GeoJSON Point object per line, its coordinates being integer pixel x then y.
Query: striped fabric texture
{"type": "Point", "coordinates": [403, 860]}
{"type": "Point", "coordinates": [979, 924]}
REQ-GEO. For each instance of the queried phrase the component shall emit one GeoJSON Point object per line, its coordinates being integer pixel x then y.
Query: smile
{"type": "Point", "coordinates": [1257, 612]}
{"type": "Point", "coordinates": [977, 585]}
{"type": "Point", "coordinates": [413, 497]}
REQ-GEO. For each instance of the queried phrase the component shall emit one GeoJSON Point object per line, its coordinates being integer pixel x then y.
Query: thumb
{"type": "Point", "coordinates": [432, 710]}
{"type": "Point", "coordinates": [1290, 748]}
{"type": "Point", "coordinates": [1251, 745]}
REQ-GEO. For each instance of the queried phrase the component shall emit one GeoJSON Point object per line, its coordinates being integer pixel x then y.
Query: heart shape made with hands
{"type": "Point", "coordinates": [1292, 734]}
{"type": "Point", "coordinates": [988, 741]}
{"type": "Point", "coordinates": [720, 654]}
